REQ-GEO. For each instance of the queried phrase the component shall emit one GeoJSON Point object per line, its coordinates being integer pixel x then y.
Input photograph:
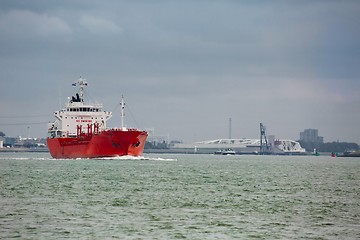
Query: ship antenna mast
{"type": "Point", "coordinates": [82, 83]}
{"type": "Point", "coordinates": [122, 114]}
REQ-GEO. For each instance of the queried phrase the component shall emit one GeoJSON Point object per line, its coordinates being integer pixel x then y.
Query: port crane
{"type": "Point", "coordinates": [264, 145]}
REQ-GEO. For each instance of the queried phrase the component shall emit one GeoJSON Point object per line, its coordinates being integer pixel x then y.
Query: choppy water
{"type": "Point", "coordinates": [179, 197]}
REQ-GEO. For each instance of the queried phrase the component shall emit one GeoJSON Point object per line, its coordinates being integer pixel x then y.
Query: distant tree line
{"type": "Point", "coordinates": [329, 146]}
{"type": "Point", "coordinates": [2, 134]}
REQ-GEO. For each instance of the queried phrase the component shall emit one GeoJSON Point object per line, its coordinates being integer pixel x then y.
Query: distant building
{"type": "Point", "coordinates": [9, 141]}
{"type": "Point", "coordinates": [311, 135]}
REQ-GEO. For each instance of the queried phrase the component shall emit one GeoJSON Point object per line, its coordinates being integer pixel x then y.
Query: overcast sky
{"type": "Point", "coordinates": [185, 67]}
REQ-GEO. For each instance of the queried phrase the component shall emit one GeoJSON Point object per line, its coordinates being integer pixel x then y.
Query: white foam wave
{"type": "Point", "coordinates": [128, 157]}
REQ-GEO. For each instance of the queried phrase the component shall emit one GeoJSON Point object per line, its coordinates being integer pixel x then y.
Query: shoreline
{"type": "Point", "coordinates": [173, 151]}
{"type": "Point", "coordinates": [14, 150]}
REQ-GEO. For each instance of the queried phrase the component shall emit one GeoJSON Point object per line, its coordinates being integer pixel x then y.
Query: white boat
{"type": "Point", "coordinates": [227, 151]}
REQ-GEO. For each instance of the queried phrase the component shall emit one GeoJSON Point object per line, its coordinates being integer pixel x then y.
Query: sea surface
{"type": "Point", "coordinates": [179, 197]}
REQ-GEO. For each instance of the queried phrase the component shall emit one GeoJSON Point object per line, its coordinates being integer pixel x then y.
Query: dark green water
{"type": "Point", "coordinates": [179, 197]}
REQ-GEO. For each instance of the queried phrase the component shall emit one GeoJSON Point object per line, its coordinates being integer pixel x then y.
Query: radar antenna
{"type": "Point", "coordinates": [82, 83]}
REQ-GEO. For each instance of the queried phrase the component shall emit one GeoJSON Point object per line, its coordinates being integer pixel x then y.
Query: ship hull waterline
{"type": "Point", "coordinates": [109, 143]}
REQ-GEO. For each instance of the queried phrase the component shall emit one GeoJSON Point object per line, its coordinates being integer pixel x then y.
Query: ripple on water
{"type": "Point", "coordinates": [179, 196]}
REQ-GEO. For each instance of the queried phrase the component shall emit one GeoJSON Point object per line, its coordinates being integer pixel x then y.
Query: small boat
{"type": "Point", "coordinates": [227, 151]}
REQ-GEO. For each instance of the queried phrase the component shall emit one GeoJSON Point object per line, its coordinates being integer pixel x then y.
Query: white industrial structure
{"type": "Point", "coordinates": [243, 145]}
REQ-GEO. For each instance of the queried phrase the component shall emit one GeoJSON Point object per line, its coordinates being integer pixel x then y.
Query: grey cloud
{"type": "Point", "coordinates": [186, 66]}
{"type": "Point", "coordinates": [25, 23]}
{"type": "Point", "coordinates": [99, 25]}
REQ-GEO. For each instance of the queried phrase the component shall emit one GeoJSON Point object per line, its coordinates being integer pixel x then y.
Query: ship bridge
{"type": "Point", "coordinates": [78, 117]}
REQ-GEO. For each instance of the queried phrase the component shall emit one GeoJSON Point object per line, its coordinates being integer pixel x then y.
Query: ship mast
{"type": "Point", "coordinates": [82, 83]}
{"type": "Point", "coordinates": [122, 114]}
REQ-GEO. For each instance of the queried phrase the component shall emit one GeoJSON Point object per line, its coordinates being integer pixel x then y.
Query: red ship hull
{"type": "Point", "coordinates": [109, 143]}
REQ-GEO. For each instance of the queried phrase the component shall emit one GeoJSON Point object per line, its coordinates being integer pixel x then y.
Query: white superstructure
{"type": "Point", "coordinates": [78, 117]}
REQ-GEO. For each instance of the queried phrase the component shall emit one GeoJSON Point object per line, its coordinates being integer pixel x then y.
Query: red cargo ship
{"type": "Point", "coordinates": [80, 131]}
